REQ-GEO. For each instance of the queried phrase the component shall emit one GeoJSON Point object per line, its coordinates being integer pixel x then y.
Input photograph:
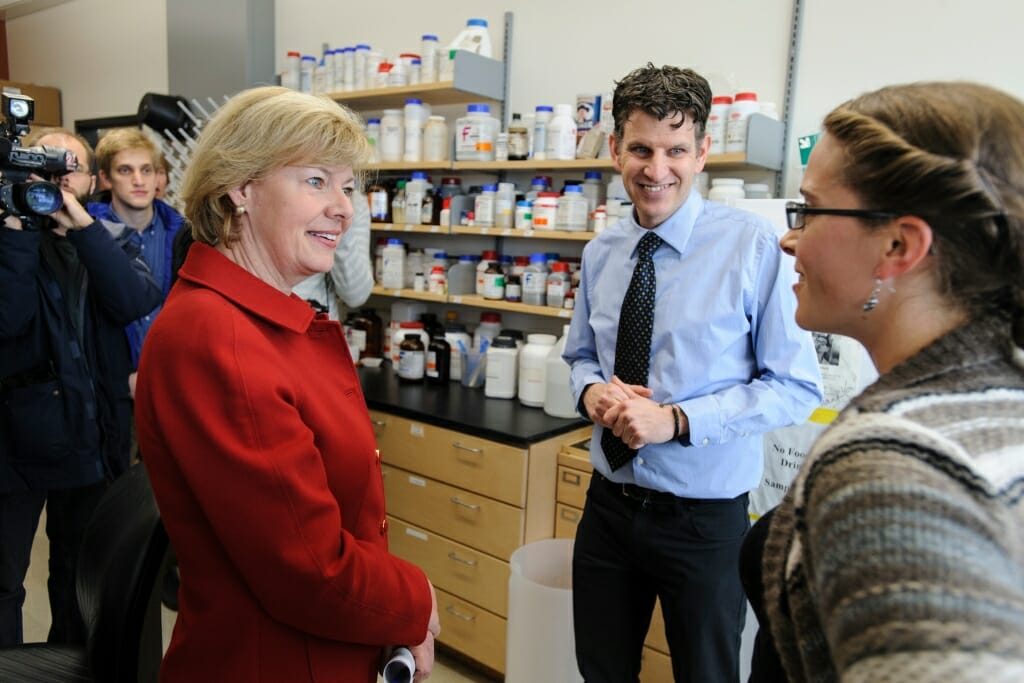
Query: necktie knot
{"type": "Point", "coordinates": [649, 243]}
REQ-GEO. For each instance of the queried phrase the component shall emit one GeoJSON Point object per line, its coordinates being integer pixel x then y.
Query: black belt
{"type": "Point", "coordinates": [645, 496]}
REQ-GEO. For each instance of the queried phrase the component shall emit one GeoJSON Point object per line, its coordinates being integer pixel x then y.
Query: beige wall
{"type": "Point", "coordinates": [102, 54]}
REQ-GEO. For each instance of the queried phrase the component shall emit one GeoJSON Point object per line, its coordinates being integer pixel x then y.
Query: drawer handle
{"type": "Point", "coordinates": [570, 515]}
{"type": "Point", "coordinates": [450, 609]}
{"type": "Point", "coordinates": [379, 423]}
{"type": "Point", "coordinates": [571, 478]}
{"type": "Point", "coordinates": [456, 558]}
{"type": "Point", "coordinates": [469, 506]}
{"type": "Point", "coordinates": [478, 451]}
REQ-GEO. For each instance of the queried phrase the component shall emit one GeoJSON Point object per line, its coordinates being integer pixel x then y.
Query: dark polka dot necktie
{"type": "Point", "coordinates": [633, 343]}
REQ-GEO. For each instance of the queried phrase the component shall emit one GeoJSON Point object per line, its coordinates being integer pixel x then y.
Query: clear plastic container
{"type": "Point", "coordinates": [572, 211]}
{"type": "Point", "coordinates": [475, 134]}
{"type": "Point", "coordinates": [542, 116]}
{"type": "Point", "coordinates": [306, 69]}
{"type": "Point", "coordinates": [756, 191]}
{"type": "Point", "coordinates": [392, 135]}
{"type": "Point", "coordinates": [393, 272]}
{"type": "Point", "coordinates": [533, 367]}
{"type": "Point", "coordinates": [487, 330]}
{"type": "Point", "coordinates": [435, 139]}
{"type": "Point", "coordinates": [504, 205]}
{"type": "Point", "coordinates": [359, 66]}
{"type": "Point", "coordinates": [459, 340]}
{"type": "Point", "coordinates": [593, 189]}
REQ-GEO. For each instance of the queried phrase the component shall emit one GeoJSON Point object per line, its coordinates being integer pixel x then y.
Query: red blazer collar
{"type": "Point", "coordinates": [206, 267]}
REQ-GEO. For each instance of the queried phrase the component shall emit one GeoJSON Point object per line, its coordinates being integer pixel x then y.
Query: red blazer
{"type": "Point", "coordinates": [253, 427]}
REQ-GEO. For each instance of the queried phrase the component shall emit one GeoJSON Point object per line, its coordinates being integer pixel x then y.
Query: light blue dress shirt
{"type": "Point", "coordinates": [725, 348]}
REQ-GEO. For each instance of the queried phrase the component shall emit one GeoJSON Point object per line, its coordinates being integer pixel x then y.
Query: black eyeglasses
{"type": "Point", "coordinates": [796, 213]}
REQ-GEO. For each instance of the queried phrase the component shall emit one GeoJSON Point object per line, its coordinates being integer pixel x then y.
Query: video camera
{"type": "Point", "coordinates": [29, 200]}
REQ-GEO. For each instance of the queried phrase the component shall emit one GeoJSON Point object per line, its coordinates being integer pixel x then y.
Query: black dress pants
{"type": "Point", "coordinates": [67, 514]}
{"type": "Point", "coordinates": [629, 550]}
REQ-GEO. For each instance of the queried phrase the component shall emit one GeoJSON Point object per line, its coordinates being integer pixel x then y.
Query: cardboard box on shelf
{"type": "Point", "coordinates": [47, 99]}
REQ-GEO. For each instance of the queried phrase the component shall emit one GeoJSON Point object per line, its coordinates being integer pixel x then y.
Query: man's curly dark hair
{"type": "Point", "coordinates": [663, 93]}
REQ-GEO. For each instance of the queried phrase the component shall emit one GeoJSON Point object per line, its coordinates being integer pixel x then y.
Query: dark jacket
{"type": "Point", "coordinates": [172, 222]}
{"type": "Point", "coordinates": [65, 408]}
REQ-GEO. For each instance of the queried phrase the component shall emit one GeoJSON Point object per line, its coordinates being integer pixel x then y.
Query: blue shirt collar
{"type": "Point", "coordinates": [677, 229]}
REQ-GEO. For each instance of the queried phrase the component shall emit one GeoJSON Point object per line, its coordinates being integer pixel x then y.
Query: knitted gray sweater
{"type": "Point", "coordinates": [898, 553]}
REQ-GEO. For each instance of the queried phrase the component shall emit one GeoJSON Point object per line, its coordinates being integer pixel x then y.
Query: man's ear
{"type": "Point", "coordinates": [907, 242]}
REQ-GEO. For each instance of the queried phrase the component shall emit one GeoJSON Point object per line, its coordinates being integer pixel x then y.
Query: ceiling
{"type": "Point", "coordinates": [12, 9]}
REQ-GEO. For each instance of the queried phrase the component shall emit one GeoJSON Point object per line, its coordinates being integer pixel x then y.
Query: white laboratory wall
{"type": "Point", "coordinates": [102, 54]}
{"type": "Point", "coordinates": [850, 48]}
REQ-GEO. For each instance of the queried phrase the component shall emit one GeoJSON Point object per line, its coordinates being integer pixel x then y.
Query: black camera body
{"type": "Point", "coordinates": [20, 196]}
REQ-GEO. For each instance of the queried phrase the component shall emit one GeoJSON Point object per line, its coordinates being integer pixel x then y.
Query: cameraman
{"type": "Point", "coordinates": [66, 293]}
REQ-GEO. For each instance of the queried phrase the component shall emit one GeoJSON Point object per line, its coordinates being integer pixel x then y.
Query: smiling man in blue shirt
{"type": "Point", "coordinates": [727, 363]}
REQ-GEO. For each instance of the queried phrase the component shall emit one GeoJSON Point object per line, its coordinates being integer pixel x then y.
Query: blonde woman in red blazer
{"type": "Point", "coordinates": [253, 424]}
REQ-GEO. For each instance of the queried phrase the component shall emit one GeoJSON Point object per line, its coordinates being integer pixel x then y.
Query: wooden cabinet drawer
{"type": "Point", "coordinates": [485, 467]}
{"type": "Point", "coordinates": [479, 522]}
{"type": "Point", "coordinates": [655, 667]}
{"type": "Point", "coordinates": [454, 567]}
{"type": "Point", "coordinates": [572, 486]}
{"type": "Point", "coordinates": [473, 631]}
{"type": "Point", "coordinates": [566, 520]}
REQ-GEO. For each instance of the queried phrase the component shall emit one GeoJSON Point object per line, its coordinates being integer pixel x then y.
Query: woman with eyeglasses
{"type": "Point", "coordinates": [898, 553]}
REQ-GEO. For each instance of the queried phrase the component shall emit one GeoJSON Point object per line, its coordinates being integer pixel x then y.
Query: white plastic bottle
{"type": "Point", "coordinates": [307, 69]}
{"type": "Point", "coordinates": [501, 378]}
{"type": "Point", "coordinates": [392, 136]}
{"type": "Point", "coordinates": [415, 190]}
{"type": "Point", "coordinates": [561, 134]}
{"type": "Point", "coordinates": [558, 284]}
{"type": "Point", "coordinates": [532, 368]}
{"type": "Point", "coordinates": [535, 280]}
{"type": "Point", "coordinates": [484, 206]}
{"type": "Point", "coordinates": [413, 121]}
{"type": "Point", "coordinates": [373, 137]}
{"type": "Point", "coordinates": [558, 400]}
{"type": "Point", "coordinates": [725, 189]}
{"type": "Point", "coordinates": [473, 38]}
{"type": "Point", "coordinates": [294, 70]}
{"type": "Point", "coordinates": [541, 118]}
{"type": "Point", "coordinates": [393, 273]}
{"type": "Point", "coordinates": [359, 69]}
{"type": "Point", "coordinates": [475, 134]}
{"type": "Point", "coordinates": [743, 105]}
{"type": "Point", "coordinates": [717, 120]}
{"type": "Point", "coordinates": [429, 51]}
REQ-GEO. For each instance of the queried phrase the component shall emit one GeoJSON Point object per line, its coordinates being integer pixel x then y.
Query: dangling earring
{"type": "Point", "coordinates": [872, 301]}
{"type": "Point", "coordinates": [239, 210]}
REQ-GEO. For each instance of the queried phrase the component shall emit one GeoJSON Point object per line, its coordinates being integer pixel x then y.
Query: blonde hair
{"type": "Point", "coordinates": [258, 132]}
{"type": "Point", "coordinates": [121, 139]}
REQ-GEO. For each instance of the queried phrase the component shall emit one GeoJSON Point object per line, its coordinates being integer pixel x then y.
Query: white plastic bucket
{"type": "Point", "coordinates": [540, 643]}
